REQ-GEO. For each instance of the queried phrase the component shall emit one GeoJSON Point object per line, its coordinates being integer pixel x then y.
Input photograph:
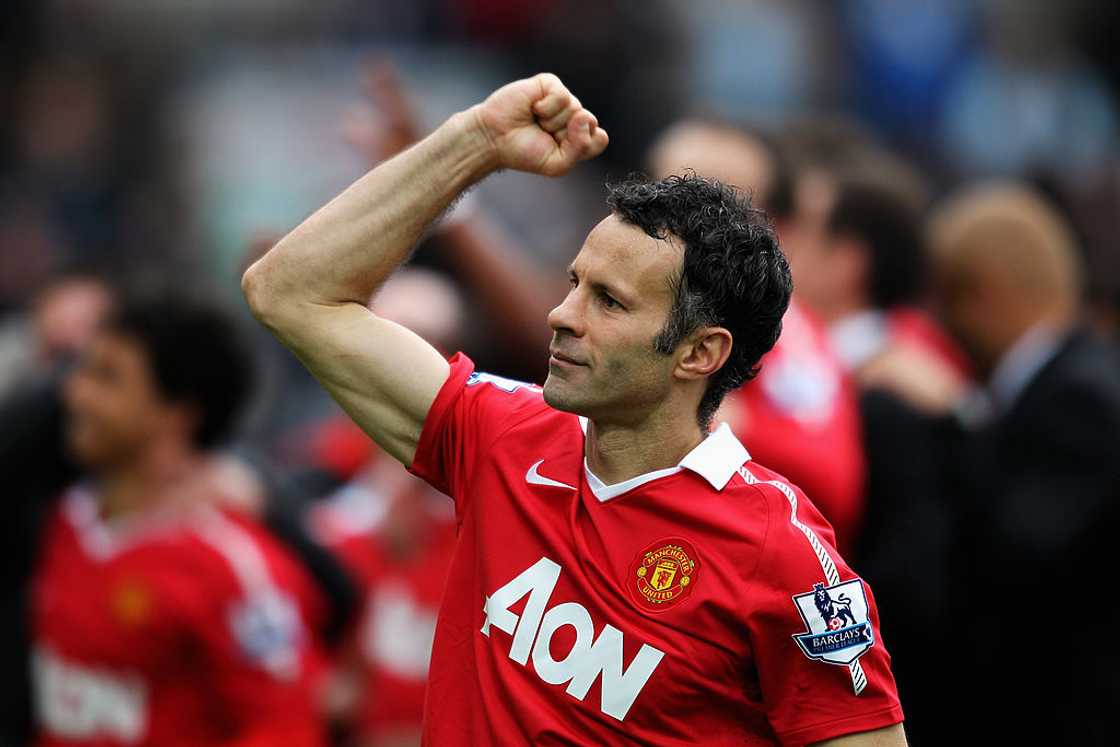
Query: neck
{"type": "Point", "coordinates": [617, 452]}
{"type": "Point", "coordinates": [1054, 322]}
{"type": "Point", "coordinates": [155, 478]}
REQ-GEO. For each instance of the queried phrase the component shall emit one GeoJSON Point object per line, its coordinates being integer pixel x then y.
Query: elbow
{"type": "Point", "coordinates": [255, 286]}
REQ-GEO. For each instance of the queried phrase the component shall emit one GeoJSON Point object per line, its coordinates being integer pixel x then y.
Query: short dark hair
{"type": "Point", "coordinates": [888, 222]}
{"type": "Point", "coordinates": [733, 274]}
{"type": "Point", "coordinates": [780, 192]}
{"type": "Point", "coordinates": [195, 352]}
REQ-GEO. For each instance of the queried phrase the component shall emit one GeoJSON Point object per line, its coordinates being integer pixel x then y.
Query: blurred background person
{"type": "Point", "coordinates": [62, 317]}
{"type": "Point", "coordinates": [36, 465]}
{"type": "Point", "coordinates": [1041, 479]}
{"type": "Point", "coordinates": [1034, 470]}
{"type": "Point", "coordinates": [160, 615]}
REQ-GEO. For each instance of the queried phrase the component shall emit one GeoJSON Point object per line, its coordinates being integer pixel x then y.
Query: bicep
{"type": "Point", "coordinates": [888, 736]}
{"type": "Point", "coordinates": [383, 375]}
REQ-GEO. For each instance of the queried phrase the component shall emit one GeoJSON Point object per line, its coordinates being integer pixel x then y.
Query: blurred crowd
{"type": "Point", "coordinates": [944, 178]}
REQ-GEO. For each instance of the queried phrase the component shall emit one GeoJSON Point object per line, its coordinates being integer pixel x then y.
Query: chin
{"type": "Point", "coordinates": [557, 398]}
{"type": "Point", "coordinates": [85, 455]}
{"type": "Point", "coordinates": [89, 451]}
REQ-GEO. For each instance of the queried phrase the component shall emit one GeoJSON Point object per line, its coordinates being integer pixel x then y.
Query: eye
{"type": "Point", "coordinates": [609, 302]}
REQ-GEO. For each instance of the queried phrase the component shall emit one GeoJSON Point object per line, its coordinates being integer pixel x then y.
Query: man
{"type": "Point", "coordinates": [160, 617]}
{"type": "Point", "coordinates": [1040, 478]}
{"type": "Point", "coordinates": [800, 417]}
{"type": "Point", "coordinates": [864, 275]}
{"type": "Point", "coordinates": [667, 590]}
{"type": "Point", "coordinates": [1034, 467]}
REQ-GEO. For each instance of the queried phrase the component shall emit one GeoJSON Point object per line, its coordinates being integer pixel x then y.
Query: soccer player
{"type": "Point", "coordinates": [160, 616]}
{"type": "Point", "coordinates": [624, 574]}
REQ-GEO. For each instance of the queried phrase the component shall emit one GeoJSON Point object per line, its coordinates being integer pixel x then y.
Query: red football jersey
{"type": "Point", "coordinates": [401, 590]}
{"type": "Point", "coordinates": [801, 417]}
{"type": "Point", "coordinates": [700, 604]}
{"type": "Point", "coordinates": [171, 627]}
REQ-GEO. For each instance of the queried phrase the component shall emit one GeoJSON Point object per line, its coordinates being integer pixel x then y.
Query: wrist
{"type": "Point", "coordinates": [474, 143]}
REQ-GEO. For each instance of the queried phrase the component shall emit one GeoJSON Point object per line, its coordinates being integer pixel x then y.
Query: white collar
{"type": "Point", "coordinates": [858, 337]}
{"type": "Point", "coordinates": [716, 459]}
{"type": "Point", "coordinates": [1022, 362]}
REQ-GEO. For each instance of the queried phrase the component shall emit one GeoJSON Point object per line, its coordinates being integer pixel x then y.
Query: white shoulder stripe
{"type": "Point", "coordinates": [828, 565]}
{"type": "Point", "coordinates": [238, 549]}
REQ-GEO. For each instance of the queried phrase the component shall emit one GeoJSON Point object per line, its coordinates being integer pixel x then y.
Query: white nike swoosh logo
{"type": "Point", "coordinates": [536, 478]}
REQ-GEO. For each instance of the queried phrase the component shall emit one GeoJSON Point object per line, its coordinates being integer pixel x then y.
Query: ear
{"type": "Point", "coordinates": [703, 353]}
{"type": "Point", "coordinates": [183, 419]}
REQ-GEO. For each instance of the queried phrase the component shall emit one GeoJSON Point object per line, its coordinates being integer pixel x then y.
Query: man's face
{"type": "Point", "coordinates": [806, 242]}
{"type": "Point", "coordinates": [114, 409]}
{"type": "Point", "coordinates": [603, 362]}
{"type": "Point", "coordinates": [967, 312]}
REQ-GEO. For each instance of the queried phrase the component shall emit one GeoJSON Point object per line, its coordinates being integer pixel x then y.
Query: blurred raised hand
{"type": "Point", "coordinates": [535, 124]}
{"type": "Point", "coordinates": [388, 123]}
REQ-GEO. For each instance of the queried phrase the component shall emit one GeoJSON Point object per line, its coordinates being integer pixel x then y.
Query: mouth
{"type": "Point", "coordinates": [557, 358]}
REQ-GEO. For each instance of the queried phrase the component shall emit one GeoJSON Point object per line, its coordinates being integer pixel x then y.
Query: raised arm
{"type": "Point", "coordinates": [311, 288]}
{"type": "Point", "coordinates": [511, 285]}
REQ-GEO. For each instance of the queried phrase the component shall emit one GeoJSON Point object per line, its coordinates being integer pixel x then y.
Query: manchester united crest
{"type": "Point", "coordinates": [663, 574]}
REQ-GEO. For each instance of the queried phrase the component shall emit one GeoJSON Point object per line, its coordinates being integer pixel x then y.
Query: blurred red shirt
{"type": "Point", "coordinates": [399, 548]}
{"type": "Point", "coordinates": [397, 535]}
{"type": "Point", "coordinates": [800, 417]}
{"type": "Point", "coordinates": [176, 626]}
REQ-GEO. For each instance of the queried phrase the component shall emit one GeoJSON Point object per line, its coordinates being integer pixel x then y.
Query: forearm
{"type": "Point", "coordinates": [343, 252]}
{"type": "Point", "coordinates": [511, 285]}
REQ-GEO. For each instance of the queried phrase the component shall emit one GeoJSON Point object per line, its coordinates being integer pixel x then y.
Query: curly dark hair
{"type": "Point", "coordinates": [195, 351]}
{"type": "Point", "coordinates": [733, 275]}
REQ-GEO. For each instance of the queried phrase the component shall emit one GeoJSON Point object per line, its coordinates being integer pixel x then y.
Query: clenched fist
{"type": "Point", "coordinates": [537, 125]}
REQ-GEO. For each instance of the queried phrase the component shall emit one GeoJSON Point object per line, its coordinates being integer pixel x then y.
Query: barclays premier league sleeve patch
{"type": "Point", "coordinates": [838, 630]}
{"type": "Point", "coordinates": [267, 628]}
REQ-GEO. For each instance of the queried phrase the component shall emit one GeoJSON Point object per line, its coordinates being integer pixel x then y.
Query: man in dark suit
{"type": "Point", "coordinates": [1037, 476]}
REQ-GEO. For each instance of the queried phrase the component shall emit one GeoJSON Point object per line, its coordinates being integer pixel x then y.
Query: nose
{"type": "Point", "coordinates": [566, 317]}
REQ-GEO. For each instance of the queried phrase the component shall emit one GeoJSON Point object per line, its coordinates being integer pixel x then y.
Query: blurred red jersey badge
{"type": "Point", "coordinates": [663, 574]}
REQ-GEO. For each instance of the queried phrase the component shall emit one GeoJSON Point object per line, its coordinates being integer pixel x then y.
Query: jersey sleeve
{"type": "Point", "coordinates": [823, 668]}
{"type": "Point", "coordinates": [471, 410]}
{"type": "Point", "coordinates": [260, 654]}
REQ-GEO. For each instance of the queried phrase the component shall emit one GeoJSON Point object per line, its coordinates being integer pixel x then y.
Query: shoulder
{"type": "Point", "coordinates": [253, 599]}
{"type": "Point", "coordinates": [1077, 393]}
{"type": "Point", "coordinates": [797, 532]}
{"type": "Point", "coordinates": [487, 395]}
{"type": "Point", "coordinates": [1086, 368]}
{"type": "Point", "coordinates": [232, 545]}
{"type": "Point", "coordinates": [504, 393]}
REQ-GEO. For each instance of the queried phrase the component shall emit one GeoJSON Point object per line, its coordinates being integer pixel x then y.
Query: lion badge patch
{"type": "Point", "coordinates": [838, 630]}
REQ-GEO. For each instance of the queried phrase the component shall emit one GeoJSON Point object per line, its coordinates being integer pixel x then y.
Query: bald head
{"type": "Point", "coordinates": [425, 302]}
{"type": "Point", "coordinates": [1013, 234]}
{"type": "Point", "coordinates": [1004, 259]}
{"type": "Point", "coordinates": [718, 150]}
